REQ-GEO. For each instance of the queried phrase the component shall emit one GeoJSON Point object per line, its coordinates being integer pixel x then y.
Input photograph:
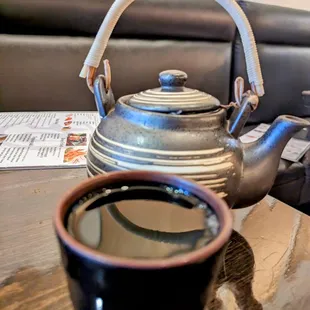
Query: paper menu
{"type": "Point", "coordinates": [294, 150]}
{"type": "Point", "coordinates": [17, 122]}
{"type": "Point", "coordinates": [254, 134]}
{"type": "Point", "coordinates": [45, 139]}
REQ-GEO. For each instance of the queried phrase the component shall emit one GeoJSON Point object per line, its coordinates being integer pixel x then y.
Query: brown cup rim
{"type": "Point", "coordinates": [218, 205]}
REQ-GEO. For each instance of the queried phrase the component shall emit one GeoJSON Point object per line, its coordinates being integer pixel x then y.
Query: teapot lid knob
{"type": "Point", "coordinates": [170, 79]}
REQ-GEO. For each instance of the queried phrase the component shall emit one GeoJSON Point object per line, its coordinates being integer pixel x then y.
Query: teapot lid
{"type": "Point", "coordinates": [173, 96]}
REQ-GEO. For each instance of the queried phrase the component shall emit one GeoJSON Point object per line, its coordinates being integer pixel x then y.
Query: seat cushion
{"type": "Point", "coordinates": [278, 25]}
{"type": "Point", "coordinates": [288, 172]}
{"type": "Point", "coordinates": [42, 73]}
{"type": "Point", "coordinates": [289, 193]}
{"type": "Point", "coordinates": [305, 194]}
{"type": "Point", "coordinates": [286, 73]}
{"type": "Point", "coordinates": [183, 19]}
{"type": "Point", "coordinates": [283, 39]}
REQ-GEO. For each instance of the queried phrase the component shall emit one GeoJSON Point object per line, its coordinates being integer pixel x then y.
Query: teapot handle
{"type": "Point", "coordinates": [103, 97]}
{"type": "Point", "coordinates": [99, 45]}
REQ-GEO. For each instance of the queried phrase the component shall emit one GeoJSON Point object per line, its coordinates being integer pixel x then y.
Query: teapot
{"type": "Point", "coordinates": [183, 131]}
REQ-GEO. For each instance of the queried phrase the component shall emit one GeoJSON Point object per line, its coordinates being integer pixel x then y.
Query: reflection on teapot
{"type": "Point", "coordinates": [184, 131]}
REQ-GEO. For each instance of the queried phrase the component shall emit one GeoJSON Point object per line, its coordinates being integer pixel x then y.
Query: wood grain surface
{"type": "Point", "coordinates": [266, 265]}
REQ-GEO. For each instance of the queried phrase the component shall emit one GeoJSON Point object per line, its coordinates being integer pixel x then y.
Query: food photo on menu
{"type": "Point", "coordinates": [76, 139]}
{"type": "Point", "coordinates": [74, 156]}
{"type": "Point", "coordinates": [2, 138]}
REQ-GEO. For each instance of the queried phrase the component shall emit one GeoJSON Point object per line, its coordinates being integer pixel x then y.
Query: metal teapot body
{"type": "Point", "coordinates": [150, 132]}
{"type": "Point", "coordinates": [183, 131]}
{"type": "Point", "coordinates": [196, 146]}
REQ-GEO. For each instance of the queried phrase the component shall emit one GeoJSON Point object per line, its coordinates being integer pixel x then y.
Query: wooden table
{"type": "Point", "coordinates": [31, 276]}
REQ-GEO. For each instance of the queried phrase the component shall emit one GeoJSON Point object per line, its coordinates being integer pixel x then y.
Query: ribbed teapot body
{"type": "Point", "coordinates": [195, 146]}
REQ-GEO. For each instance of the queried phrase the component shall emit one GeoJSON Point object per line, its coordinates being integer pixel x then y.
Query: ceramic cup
{"type": "Point", "coordinates": [99, 280]}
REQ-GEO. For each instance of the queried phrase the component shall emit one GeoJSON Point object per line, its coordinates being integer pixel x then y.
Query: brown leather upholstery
{"type": "Point", "coordinates": [39, 73]}
{"type": "Point", "coordinates": [286, 74]}
{"type": "Point", "coordinates": [199, 19]}
{"type": "Point", "coordinates": [278, 25]}
{"type": "Point", "coordinates": [283, 38]}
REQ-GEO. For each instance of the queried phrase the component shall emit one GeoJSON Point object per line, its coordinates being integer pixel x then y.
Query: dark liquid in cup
{"type": "Point", "coordinates": [143, 221]}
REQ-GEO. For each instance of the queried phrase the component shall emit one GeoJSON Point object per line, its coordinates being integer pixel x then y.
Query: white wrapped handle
{"type": "Point", "coordinates": [231, 6]}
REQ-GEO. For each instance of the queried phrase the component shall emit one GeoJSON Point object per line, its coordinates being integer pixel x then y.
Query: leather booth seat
{"type": "Point", "coordinates": [44, 42]}
{"type": "Point", "coordinates": [283, 41]}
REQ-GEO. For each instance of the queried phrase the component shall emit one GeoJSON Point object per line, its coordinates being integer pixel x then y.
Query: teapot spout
{"type": "Point", "coordinates": [262, 157]}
